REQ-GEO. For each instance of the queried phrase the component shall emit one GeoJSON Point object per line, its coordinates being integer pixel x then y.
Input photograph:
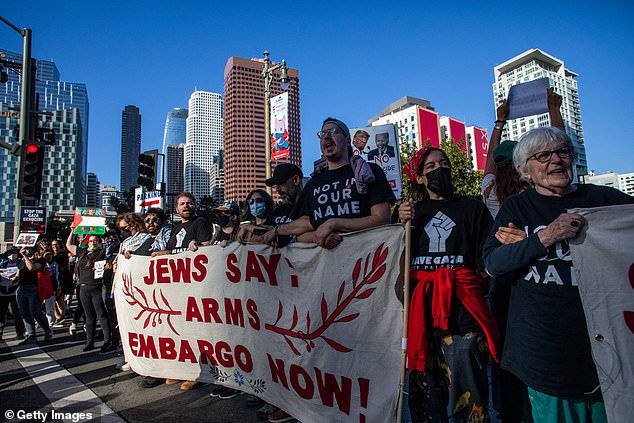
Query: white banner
{"type": "Point", "coordinates": [604, 267]}
{"type": "Point", "coordinates": [316, 332]}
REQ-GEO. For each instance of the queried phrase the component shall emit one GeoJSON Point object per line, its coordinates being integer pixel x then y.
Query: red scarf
{"type": "Point", "coordinates": [469, 287]}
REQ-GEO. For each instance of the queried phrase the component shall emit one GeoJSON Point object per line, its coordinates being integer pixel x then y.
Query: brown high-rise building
{"type": "Point", "coordinates": [244, 125]}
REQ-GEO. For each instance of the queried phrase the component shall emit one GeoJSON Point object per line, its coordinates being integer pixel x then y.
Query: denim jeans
{"type": "Point", "coordinates": [31, 309]}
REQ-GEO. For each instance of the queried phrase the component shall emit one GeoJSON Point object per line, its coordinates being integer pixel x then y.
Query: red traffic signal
{"type": "Point", "coordinates": [30, 176]}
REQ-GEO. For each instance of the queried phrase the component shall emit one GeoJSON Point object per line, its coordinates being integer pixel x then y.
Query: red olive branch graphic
{"type": "Point", "coordinates": [154, 313]}
{"type": "Point", "coordinates": [374, 273]}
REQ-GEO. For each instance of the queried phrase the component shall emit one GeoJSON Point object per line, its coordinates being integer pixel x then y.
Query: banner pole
{"type": "Point", "coordinates": [408, 237]}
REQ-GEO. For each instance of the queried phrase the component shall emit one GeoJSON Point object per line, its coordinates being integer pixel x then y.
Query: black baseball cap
{"type": "Point", "coordinates": [282, 173]}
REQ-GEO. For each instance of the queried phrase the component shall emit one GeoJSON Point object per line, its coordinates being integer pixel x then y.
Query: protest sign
{"type": "Point", "coordinates": [527, 99]}
{"type": "Point", "coordinates": [89, 221]}
{"type": "Point", "coordinates": [379, 145]}
{"type": "Point", "coordinates": [33, 220]}
{"type": "Point", "coordinates": [316, 332]}
{"type": "Point", "coordinates": [604, 268]}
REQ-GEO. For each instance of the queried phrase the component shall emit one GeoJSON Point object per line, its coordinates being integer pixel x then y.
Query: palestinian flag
{"type": "Point", "coordinates": [89, 221]}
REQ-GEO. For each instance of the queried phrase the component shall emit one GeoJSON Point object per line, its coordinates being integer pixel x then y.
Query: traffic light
{"type": "Point", "coordinates": [4, 75]}
{"type": "Point", "coordinates": [30, 176]}
{"type": "Point", "coordinates": [147, 170]}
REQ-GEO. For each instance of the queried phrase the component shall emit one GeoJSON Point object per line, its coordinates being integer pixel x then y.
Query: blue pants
{"type": "Point", "coordinates": [31, 309]}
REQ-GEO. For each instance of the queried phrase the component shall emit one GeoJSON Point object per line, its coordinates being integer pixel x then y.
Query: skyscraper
{"type": "Point", "coordinates": [204, 140]}
{"type": "Point", "coordinates": [535, 64]}
{"type": "Point", "coordinates": [244, 125]}
{"type": "Point", "coordinates": [175, 171]}
{"type": "Point", "coordinates": [130, 147]}
{"type": "Point", "coordinates": [53, 95]}
{"type": "Point", "coordinates": [175, 130]}
{"type": "Point", "coordinates": [92, 191]}
{"type": "Point", "coordinates": [217, 178]}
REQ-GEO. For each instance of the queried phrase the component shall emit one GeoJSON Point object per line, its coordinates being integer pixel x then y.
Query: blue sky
{"type": "Point", "coordinates": [354, 58]}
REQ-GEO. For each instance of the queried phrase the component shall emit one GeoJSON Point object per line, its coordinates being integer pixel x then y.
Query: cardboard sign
{"type": "Point", "coordinates": [89, 221]}
{"type": "Point", "coordinates": [528, 99]}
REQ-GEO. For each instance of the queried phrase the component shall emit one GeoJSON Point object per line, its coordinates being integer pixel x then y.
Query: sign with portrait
{"type": "Point", "coordinates": [379, 145]}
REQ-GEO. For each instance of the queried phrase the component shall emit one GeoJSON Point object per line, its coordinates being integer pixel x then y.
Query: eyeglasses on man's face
{"type": "Point", "coordinates": [328, 133]}
{"type": "Point", "coordinates": [152, 220]}
{"type": "Point", "coordinates": [256, 200]}
{"type": "Point", "coordinates": [545, 156]}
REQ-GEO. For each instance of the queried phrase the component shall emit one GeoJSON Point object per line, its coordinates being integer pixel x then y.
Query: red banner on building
{"type": "Point", "coordinates": [480, 147]}
{"type": "Point", "coordinates": [429, 125]}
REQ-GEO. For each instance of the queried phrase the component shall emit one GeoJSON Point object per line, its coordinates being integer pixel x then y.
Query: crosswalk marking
{"type": "Point", "coordinates": [65, 392]}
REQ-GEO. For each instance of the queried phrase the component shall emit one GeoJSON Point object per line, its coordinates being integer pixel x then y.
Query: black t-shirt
{"type": "Point", "coordinates": [285, 213]}
{"type": "Point", "coordinates": [547, 344]}
{"type": "Point", "coordinates": [29, 277]}
{"type": "Point", "coordinates": [333, 193]}
{"type": "Point", "coordinates": [450, 233]}
{"type": "Point", "coordinates": [197, 229]}
{"type": "Point", "coordinates": [86, 275]}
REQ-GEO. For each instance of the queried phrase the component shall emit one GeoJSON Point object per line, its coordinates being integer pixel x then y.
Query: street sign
{"type": "Point", "coordinates": [146, 200]}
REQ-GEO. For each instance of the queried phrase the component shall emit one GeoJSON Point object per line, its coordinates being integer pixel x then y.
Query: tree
{"type": "Point", "coordinates": [205, 206]}
{"type": "Point", "coordinates": [57, 229]}
{"type": "Point", "coordinates": [466, 180]}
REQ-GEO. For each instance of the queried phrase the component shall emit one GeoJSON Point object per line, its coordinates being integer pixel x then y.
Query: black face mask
{"type": "Point", "coordinates": [222, 220]}
{"type": "Point", "coordinates": [439, 181]}
{"type": "Point", "coordinates": [126, 234]}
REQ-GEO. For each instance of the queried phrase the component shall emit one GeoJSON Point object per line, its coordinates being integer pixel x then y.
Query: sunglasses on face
{"type": "Point", "coordinates": [152, 220]}
{"type": "Point", "coordinates": [545, 156]}
{"type": "Point", "coordinates": [256, 200]}
{"type": "Point", "coordinates": [328, 133]}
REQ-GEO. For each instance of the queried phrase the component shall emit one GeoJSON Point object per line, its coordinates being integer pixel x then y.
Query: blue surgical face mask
{"type": "Point", "coordinates": [258, 209]}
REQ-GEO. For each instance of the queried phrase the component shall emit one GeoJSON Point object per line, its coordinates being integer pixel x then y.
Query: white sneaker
{"type": "Point", "coordinates": [72, 329]}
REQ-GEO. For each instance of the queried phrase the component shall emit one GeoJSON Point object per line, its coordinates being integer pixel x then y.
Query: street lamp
{"type": "Point", "coordinates": [267, 73]}
{"type": "Point", "coordinates": [25, 100]}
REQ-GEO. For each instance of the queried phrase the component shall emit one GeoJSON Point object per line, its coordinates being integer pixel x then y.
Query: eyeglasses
{"type": "Point", "coordinates": [544, 156]}
{"type": "Point", "coordinates": [153, 220]}
{"type": "Point", "coordinates": [328, 132]}
{"type": "Point", "coordinates": [256, 200]}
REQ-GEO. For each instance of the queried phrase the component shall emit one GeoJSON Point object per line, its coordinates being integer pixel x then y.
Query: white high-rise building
{"type": "Point", "coordinates": [217, 178]}
{"type": "Point", "coordinates": [535, 64]}
{"type": "Point", "coordinates": [623, 182]}
{"type": "Point", "coordinates": [204, 140]}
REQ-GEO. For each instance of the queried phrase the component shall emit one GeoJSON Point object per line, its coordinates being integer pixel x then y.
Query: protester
{"type": "Point", "coordinates": [131, 223]}
{"type": "Point", "coordinates": [53, 270]}
{"type": "Point", "coordinates": [257, 216]}
{"type": "Point", "coordinates": [8, 286]}
{"type": "Point", "coordinates": [60, 257]}
{"type": "Point", "coordinates": [451, 328]}
{"type": "Point", "coordinates": [91, 283]}
{"type": "Point", "coordinates": [547, 345]}
{"type": "Point", "coordinates": [157, 241]}
{"type": "Point", "coordinates": [348, 196]}
{"type": "Point", "coordinates": [27, 295]}
{"type": "Point", "coordinates": [501, 180]}
{"type": "Point", "coordinates": [227, 225]}
{"type": "Point", "coordinates": [191, 232]}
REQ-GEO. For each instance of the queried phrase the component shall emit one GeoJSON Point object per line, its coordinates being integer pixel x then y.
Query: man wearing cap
{"type": "Point", "coordinates": [348, 196]}
{"type": "Point", "coordinates": [287, 180]}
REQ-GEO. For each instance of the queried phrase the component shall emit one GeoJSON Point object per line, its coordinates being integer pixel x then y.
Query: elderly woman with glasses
{"type": "Point", "coordinates": [547, 345]}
